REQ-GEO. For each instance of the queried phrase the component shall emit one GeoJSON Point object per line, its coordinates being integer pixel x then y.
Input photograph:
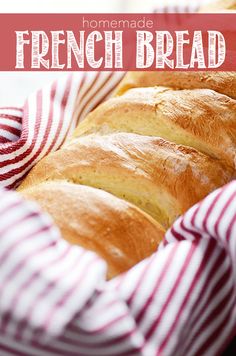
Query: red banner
{"type": "Point", "coordinates": [77, 42]}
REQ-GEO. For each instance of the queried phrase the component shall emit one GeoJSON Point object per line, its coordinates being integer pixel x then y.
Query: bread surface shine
{"type": "Point", "coordinates": [160, 177]}
{"type": "Point", "coordinates": [116, 230]}
{"type": "Point", "coordinates": [199, 118]}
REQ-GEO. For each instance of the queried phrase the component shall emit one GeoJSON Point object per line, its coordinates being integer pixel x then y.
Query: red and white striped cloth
{"type": "Point", "coordinates": [27, 134]}
{"type": "Point", "coordinates": [54, 299]}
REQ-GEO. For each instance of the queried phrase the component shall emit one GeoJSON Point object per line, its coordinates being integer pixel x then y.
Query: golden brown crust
{"type": "Point", "coordinates": [199, 118]}
{"type": "Point", "coordinates": [116, 230]}
{"type": "Point", "coordinates": [222, 82]}
{"type": "Point", "coordinates": [160, 177]}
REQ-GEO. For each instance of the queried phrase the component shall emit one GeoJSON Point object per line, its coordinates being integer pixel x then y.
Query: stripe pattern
{"type": "Point", "coordinates": [46, 120]}
{"type": "Point", "coordinates": [181, 301]}
{"type": "Point", "coordinates": [10, 124]}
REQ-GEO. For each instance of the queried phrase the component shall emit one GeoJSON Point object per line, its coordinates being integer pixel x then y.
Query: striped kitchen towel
{"type": "Point", "coordinates": [54, 299]}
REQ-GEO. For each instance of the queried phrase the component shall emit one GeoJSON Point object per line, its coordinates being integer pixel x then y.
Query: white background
{"type": "Point", "coordinates": [15, 86]}
{"type": "Point", "coordinates": [22, 6]}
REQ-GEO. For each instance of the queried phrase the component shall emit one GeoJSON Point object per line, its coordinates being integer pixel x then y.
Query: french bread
{"type": "Point", "coordinates": [160, 177]}
{"type": "Point", "coordinates": [221, 82]}
{"type": "Point", "coordinates": [116, 230]}
{"type": "Point", "coordinates": [199, 118]}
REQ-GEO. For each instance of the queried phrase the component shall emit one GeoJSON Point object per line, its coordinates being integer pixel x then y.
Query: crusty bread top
{"type": "Point", "coordinates": [222, 82]}
{"type": "Point", "coordinates": [162, 178]}
{"type": "Point", "coordinates": [199, 118]}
